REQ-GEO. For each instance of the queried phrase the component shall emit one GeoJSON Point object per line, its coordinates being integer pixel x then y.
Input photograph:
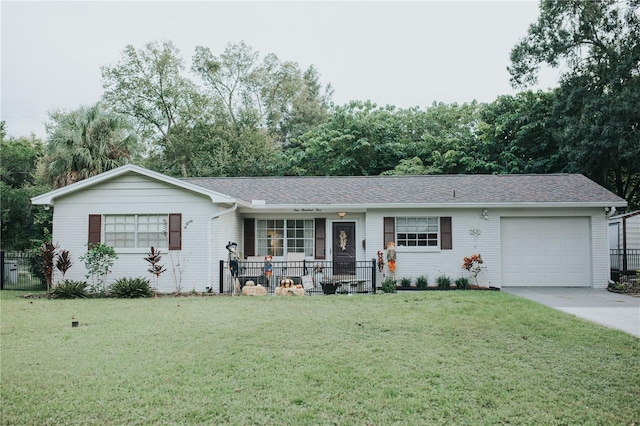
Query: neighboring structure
{"type": "Point", "coordinates": [624, 242]}
{"type": "Point", "coordinates": [531, 230]}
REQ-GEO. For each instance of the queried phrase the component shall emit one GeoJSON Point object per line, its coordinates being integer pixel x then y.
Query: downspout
{"type": "Point", "coordinates": [210, 242]}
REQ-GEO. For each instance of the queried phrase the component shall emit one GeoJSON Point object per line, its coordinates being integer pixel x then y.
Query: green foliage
{"type": "Point", "coordinates": [86, 142]}
{"type": "Point", "coordinates": [422, 281]}
{"type": "Point", "coordinates": [462, 283]}
{"type": "Point", "coordinates": [69, 289]}
{"type": "Point", "coordinates": [597, 45]}
{"type": "Point", "coordinates": [131, 288]}
{"type": "Point", "coordinates": [22, 226]}
{"type": "Point", "coordinates": [444, 282]}
{"type": "Point", "coordinates": [388, 285]}
{"type": "Point", "coordinates": [98, 261]}
{"type": "Point", "coordinates": [405, 282]}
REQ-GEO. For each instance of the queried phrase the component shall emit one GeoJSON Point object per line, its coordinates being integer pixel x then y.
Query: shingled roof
{"type": "Point", "coordinates": [418, 190]}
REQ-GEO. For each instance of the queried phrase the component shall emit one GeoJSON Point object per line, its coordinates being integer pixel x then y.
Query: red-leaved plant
{"type": "Point", "coordinates": [472, 264]}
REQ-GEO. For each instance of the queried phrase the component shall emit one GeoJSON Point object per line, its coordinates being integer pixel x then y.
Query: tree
{"type": "Point", "coordinates": [598, 43]}
{"type": "Point", "coordinates": [266, 94]}
{"type": "Point", "coordinates": [517, 134]}
{"type": "Point", "coordinates": [22, 226]}
{"type": "Point", "coordinates": [148, 86]}
{"type": "Point", "coordinates": [86, 142]}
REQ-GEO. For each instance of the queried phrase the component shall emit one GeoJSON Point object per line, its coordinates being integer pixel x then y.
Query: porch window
{"type": "Point", "coordinates": [133, 231]}
{"type": "Point", "coordinates": [279, 236]}
{"type": "Point", "coordinates": [417, 231]}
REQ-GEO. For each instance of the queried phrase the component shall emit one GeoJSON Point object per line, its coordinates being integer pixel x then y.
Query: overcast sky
{"type": "Point", "coordinates": [398, 53]}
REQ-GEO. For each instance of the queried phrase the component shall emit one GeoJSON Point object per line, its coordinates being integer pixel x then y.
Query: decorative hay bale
{"type": "Point", "coordinates": [289, 291]}
{"type": "Point", "coordinates": [254, 290]}
{"type": "Point", "coordinates": [249, 283]}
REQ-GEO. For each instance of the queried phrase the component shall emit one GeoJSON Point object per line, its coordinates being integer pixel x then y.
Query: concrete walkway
{"type": "Point", "coordinates": [612, 310]}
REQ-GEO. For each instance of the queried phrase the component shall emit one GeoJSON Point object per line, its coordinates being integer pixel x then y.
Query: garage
{"type": "Point", "coordinates": [545, 251]}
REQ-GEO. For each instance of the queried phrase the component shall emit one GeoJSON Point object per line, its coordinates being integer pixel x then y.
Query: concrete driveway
{"type": "Point", "coordinates": [612, 310]}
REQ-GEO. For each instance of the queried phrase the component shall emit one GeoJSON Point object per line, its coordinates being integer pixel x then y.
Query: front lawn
{"type": "Point", "coordinates": [409, 358]}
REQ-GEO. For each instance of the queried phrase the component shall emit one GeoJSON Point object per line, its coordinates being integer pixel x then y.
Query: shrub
{"type": "Point", "coordinates": [444, 282]}
{"type": "Point", "coordinates": [422, 281]}
{"type": "Point", "coordinates": [98, 261]}
{"type": "Point", "coordinates": [131, 288]}
{"type": "Point", "coordinates": [389, 285]}
{"type": "Point", "coordinates": [69, 289]}
{"type": "Point", "coordinates": [462, 283]}
{"type": "Point", "coordinates": [405, 282]}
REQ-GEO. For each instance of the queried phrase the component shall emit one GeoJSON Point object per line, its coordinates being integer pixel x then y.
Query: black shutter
{"type": "Point", "coordinates": [446, 235]}
{"type": "Point", "coordinates": [321, 239]}
{"type": "Point", "coordinates": [389, 231]}
{"type": "Point", "coordinates": [249, 237]}
{"type": "Point", "coordinates": [95, 230]}
{"type": "Point", "coordinates": [175, 231]}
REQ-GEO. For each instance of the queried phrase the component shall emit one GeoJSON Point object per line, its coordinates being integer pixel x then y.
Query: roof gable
{"type": "Point", "coordinates": [49, 197]}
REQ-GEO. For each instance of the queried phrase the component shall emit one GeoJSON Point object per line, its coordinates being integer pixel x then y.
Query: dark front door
{"type": "Point", "coordinates": [344, 248]}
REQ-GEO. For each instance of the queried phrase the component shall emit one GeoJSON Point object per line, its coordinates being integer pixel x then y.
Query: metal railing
{"type": "Point", "coordinates": [20, 271]}
{"type": "Point", "coordinates": [624, 262]}
{"type": "Point", "coordinates": [316, 277]}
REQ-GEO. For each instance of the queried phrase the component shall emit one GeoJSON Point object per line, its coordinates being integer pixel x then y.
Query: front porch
{"type": "Point", "coordinates": [315, 276]}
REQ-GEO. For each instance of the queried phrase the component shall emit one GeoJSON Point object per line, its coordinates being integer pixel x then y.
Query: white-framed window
{"type": "Point", "coordinates": [417, 231]}
{"type": "Point", "coordinates": [136, 230]}
{"type": "Point", "coordinates": [279, 236]}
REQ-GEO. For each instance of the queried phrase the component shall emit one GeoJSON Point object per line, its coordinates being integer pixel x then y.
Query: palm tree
{"type": "Point", "coordinates": [86, 142]}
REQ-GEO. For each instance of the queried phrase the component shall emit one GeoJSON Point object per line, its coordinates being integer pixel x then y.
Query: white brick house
{"type": "Point", "coordinates": [531, 230]}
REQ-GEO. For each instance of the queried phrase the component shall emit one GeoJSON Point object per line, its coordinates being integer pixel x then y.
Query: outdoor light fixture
{"type": "Point", "coordinates": [342, 214]}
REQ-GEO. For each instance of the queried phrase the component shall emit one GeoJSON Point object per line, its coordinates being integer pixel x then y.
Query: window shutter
{"type": "Point", "coordinates": [249, 237]}
{"type": "Point", "coordinates": [446, 240]}
{"type": "Point", "coordinates": [321, 238]}
{"type": "Point", "coordinates": [95, 230]}
{"type": "Point", "coordinates": [175, 231]}
{"type": "Point", "coordinates": [389, 231]}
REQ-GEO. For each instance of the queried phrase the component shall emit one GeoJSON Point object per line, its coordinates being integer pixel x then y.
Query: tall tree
{"type": "Point", "coordinates": [598, 44]}
{"type": "Point", "coordinates": [85, 142]}
{"type": "Point", "coordinates": [264, 94]}
{"type": "Point", "coordinates": [517, 134]}
{"type": "Point", "coordinates": [147, 85]}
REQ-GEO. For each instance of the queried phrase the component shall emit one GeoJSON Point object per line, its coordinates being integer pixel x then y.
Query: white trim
{"type": "Point", "coordinates": [49, 197]}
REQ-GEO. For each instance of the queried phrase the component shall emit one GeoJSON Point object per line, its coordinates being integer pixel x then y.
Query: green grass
{"type": "Point", "coordinates": [419, 358]}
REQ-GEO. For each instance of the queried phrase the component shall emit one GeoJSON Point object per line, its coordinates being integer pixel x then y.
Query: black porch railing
{"type": "Point", "coordinates": [624, 262]}
{"type": "Point", "coordinates": [20, 271]}
{"type": "Point", "coordinates": [320, 277]}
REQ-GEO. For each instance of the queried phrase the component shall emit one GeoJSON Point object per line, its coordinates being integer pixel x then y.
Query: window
{"type": "Point", "coordinates": [417, 231]}
{"type": "Point", "coordinates": [132, 231]}
{"type": "Point", "coordinates": [279, 236]}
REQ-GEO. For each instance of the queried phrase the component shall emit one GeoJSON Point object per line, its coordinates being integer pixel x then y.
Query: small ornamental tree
{"type": "Point", "coordinates": [473, 265]}
{"type": "Point", "coordinates": [153, 257]}
{"type": "Point", "coordinates": [98, 261]}
{"type": "Point", "coordinates": [63, 262]}
{"type": "Point", "coordinates": [46, 260]}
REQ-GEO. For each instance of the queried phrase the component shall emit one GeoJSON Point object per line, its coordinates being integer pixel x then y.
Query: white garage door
{"type": "Point", "coordinates": [546, 252]}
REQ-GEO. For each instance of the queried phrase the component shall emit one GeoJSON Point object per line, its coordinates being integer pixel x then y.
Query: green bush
{"type": "Point", "coordinates": [69, 289]}
{"type": "Point", "coordinates": [389, 285]}
{"type": "Point", "coordinates": [422, 281]}
{"type": "Point", "coordinates": [462, 283]}
{"type": "Point", "coordinates": [131, 288]}
{"type": "Point", "coordinates": [444, 282]}
{"type": "Point", "coordinates": [405, 282]}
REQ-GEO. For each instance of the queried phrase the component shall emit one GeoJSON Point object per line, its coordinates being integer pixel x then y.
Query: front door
{"type": "Point", "coordinates": [344, 248]}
